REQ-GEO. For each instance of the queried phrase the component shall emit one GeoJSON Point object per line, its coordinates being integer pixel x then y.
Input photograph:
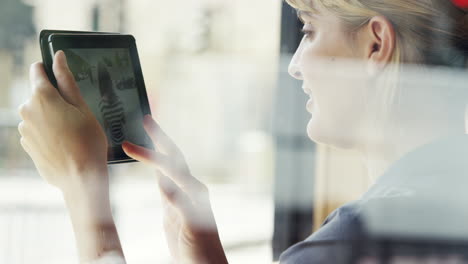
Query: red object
{"type": "Point", "coordinates": [461, 3]}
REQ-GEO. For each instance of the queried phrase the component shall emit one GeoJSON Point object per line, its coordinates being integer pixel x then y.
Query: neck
{"type": "Point", "coordinates": [380, 156]}
{"type": "Point", "coordinates": [426, 109]}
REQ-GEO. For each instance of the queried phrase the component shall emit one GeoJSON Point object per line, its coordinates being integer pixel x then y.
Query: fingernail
{"type": "Point", "coordinates": [62, 57]}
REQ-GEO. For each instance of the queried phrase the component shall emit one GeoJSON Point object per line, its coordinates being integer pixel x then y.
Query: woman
{"type": "Point", "coordinates": [377, 36]}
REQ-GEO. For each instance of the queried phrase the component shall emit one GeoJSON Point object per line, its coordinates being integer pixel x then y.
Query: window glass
{"type": "Point", "coordinates": [210, 79]}
{"type": "Point", "coordinates": [369, 165]}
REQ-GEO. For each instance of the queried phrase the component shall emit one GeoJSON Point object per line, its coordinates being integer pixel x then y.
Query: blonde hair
{"type": "Point", "coordinates": [432, 32]}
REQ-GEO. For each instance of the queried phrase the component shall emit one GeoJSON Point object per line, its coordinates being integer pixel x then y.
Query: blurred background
{"type": "Point", "coordinates": [215, 71]}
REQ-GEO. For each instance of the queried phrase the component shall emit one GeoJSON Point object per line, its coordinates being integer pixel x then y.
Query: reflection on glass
{"type": "Point", "coordinates": [387, 89]}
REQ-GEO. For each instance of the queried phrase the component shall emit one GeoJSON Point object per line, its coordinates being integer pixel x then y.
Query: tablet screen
{"type": "Point", "coordinates": [107, 83]}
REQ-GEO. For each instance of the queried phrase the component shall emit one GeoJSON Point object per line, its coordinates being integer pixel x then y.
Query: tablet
{"type": "Point", "coordinates": [45, 49]}
{"type": "Point", "coordinates": [108, 72]}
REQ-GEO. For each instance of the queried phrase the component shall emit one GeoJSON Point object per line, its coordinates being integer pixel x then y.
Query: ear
{"type": "Point", "coordinates": [379, 42]}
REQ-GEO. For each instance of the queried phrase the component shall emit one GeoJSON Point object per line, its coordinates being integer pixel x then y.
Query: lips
{"type": "Point", "coordinates": [310, 105]}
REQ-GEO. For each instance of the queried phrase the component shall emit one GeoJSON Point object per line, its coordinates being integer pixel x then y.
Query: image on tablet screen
{"type": "Point", "coordinates": [107, 83]}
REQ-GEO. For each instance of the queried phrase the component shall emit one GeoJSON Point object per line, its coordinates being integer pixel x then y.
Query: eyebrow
{"type": "Point", "coordinates": [301, 14]}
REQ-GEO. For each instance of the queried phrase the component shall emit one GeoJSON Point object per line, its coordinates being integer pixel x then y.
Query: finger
{"type": "Point", "coordinates": [150, 157]}
{"type": "Point", "coordinates": [40, 82]}
{"type": "Point", "coordinates": [145, 155]}
{"type": "Point", "coordinates": [21, 128]}
{"type": "Point", "coordinates": [196, 213]}
{"type": "Point", "coordinates": [163, 163]}
{"type": "Point", "coordinates": [66, 83]}
{"type": "Point", "coordinates": [23, 110]}
{"type": "Point", "coordinates": [25, 145]}
{"type": "Point", "coordinates": [166, 202]}
{"type": "Point", "coordinates": [157, 135]}
{"type": "Point", "coordinates": [27, 133]}
{"type": "Point", "coordinates": [173, 194]}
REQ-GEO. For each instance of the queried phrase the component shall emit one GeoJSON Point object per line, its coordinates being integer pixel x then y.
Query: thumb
{"type": "Point", "coordinates": [66, 83]}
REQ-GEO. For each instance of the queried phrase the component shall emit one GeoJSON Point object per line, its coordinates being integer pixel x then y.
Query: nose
{"type": "Point", "coordinates": [294, 70]}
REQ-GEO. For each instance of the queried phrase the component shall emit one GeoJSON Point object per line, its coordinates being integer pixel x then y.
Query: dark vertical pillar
{"type": "Point", "coordinates": [95, 17]}
{"type": "Point", "coordinates": [295, 160]}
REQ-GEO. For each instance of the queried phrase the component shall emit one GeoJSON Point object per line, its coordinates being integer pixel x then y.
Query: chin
{"type": "Point", "coordinates": [329, 135]}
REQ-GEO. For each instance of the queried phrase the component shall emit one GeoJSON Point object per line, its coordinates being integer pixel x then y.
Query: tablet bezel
{"type": "Point", "coordinates": [63, 41]}
{"type": "Point", "coordinates": [45, 50]}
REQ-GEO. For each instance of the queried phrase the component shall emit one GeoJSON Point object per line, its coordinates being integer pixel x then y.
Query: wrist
{"type": "Point", "coordinates": [86, 195]}
{"type": "Point", "coordinates": [87, 191]}
{"type": "Point", "coordinates": [89, 182]}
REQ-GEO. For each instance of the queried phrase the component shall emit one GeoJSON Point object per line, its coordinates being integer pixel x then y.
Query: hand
{"type": "Point", "coordinates": [189, 223]}
{"type": "Point", "coordinates": [59, 131]}
{"type": "Point", "coordinates": [69, 148]}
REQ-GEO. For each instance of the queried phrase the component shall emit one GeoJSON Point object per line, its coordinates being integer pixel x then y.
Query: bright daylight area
{"type": "Point", "coordinates": [209, 76]}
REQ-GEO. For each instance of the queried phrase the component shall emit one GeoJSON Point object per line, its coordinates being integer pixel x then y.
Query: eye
{"type": "Point", "coordinates": [308, 33]}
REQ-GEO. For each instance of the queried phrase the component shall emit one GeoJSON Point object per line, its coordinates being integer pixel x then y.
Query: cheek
{"type": "Point", "coordinates": [338, 92]}
{"type": "Point", "coordinates": [340, 112]}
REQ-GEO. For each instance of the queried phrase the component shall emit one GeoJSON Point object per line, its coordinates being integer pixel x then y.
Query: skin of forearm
{"type": "Point", "coordinates": [91, 216]}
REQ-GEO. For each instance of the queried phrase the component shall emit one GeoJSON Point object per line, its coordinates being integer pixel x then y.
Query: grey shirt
{"type": "Point", "coordinates": [435, 174]}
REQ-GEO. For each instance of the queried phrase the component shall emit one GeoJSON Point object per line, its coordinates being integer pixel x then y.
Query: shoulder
{"type": "Point", "coordinates": [341, 224]}
{"type": "Point", "coordinates": [330, 241]}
